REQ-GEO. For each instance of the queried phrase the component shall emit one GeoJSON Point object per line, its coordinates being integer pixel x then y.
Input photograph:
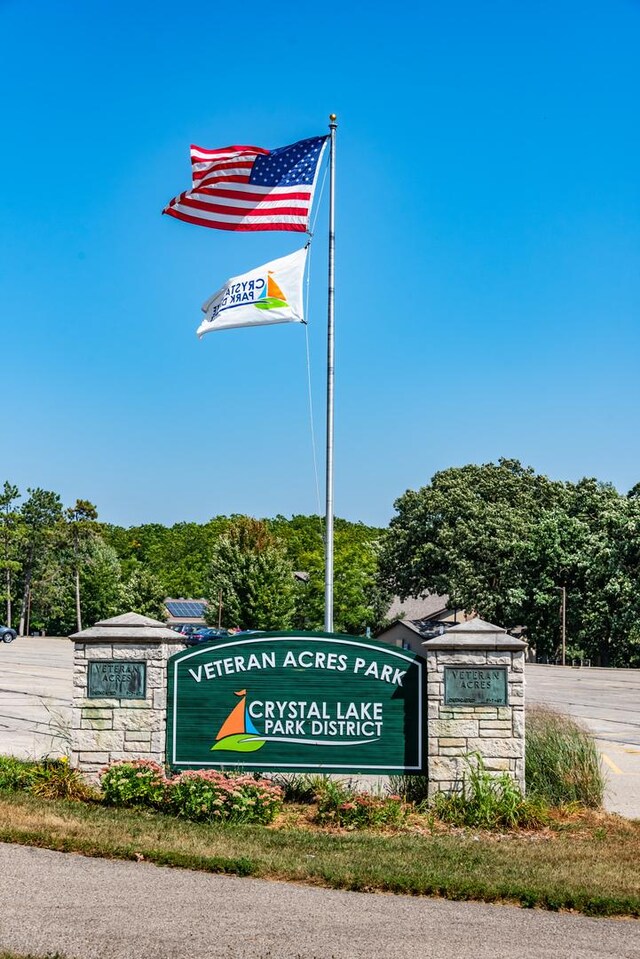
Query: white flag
{"type": "Point", "coordinates": [269, 294]}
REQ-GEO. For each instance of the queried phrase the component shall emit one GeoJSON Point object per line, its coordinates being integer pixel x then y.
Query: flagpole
{"type": "Point", "coordinates": [328, 566]}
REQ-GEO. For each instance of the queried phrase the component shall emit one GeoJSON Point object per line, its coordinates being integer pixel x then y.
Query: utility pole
{"type": "Point", "coordinates": [563, 590]}
{"type": "Point", "coordinates": [564, 625]}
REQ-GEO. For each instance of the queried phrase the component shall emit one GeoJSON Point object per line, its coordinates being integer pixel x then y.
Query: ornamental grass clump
{"type": "Point", "coordinates": [562, 763]}
{"type": "Point", "coordinates": [340, 806]}
{"type": "Point", "coordinates": [299, 787]}
{"type": "Point", "coordinates": [212, 796]}
{"type": "Point", "coordinates": [56, 779]}
{"type": "Point", "coordinates": [413, 789]}
{"type": "Point", "coordinates": [488, 802]}
{"type": "Point", "coordinates": [46, 778]}
{"type": "Point", "coordinates": [137, 782]}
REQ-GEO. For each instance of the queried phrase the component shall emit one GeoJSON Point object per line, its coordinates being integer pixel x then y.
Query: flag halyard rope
{"type": "Point", "coordinates": [314, 445]}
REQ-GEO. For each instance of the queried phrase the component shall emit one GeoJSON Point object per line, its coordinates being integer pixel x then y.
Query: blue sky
{"type": "Point", "coordinates": [488, 237]}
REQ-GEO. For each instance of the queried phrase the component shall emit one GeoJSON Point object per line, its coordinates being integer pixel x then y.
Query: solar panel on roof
{"type": "Point", "coordinates": [195, 609]}
{"type": "Point", "coordinates": [189, 610]}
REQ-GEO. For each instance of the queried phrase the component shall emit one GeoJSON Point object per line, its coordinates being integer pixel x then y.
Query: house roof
{"type": "Point", "coordinates": [419, 613]}
{"type": "Point", "coordinates": [417, 607]}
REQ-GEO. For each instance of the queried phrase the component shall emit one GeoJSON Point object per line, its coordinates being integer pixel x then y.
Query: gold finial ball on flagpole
{"type": "Point", "coordinates": [333, 117]}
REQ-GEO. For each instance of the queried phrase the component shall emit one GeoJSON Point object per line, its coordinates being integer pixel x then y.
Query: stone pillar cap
{"type": "Point", "coordinates": [128, 628]}
{"type": "Point", "coordinates": [476, 634]}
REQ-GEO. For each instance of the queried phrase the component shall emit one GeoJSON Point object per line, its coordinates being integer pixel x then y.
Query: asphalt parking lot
{"type": "Point", "coordinates": [36, 687]}
{"type": "Point", "coordinates": [607, 701]}
{"type": "Point", "coordinates": [35, 696]}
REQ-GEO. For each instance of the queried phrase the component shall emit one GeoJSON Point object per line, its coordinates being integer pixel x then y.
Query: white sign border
{"type": "Point", "coordinates": [279, 638]}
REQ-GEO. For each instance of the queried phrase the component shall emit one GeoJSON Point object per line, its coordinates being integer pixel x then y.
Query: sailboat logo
{"type": "Point", "coordinates": [237, 733]}
{"type": "Point", "coordinates": [271, 297]}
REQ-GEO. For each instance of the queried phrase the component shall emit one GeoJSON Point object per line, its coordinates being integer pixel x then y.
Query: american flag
{"type": "Point", "coordinates": [249, 188]}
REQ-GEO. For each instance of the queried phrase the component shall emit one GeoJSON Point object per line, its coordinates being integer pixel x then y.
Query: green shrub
{"type": "Point", "coordinates": [212, 796]}
{"type": "Point", "coordinates": [16, 773]}
{"type": "Point", "coordinates": [340, 806]}
{"type": "Point", "coordinates": [487, 802]}
{"type": "Point", "coordinates": [138, 782]}
{"type": "Point", "coordinates": [562, 762]}
{"type": "Point", "coordinates": [55, 779]}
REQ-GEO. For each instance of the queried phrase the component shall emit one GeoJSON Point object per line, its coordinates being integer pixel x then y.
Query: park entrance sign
{"type": "Point", "coordinates": [290, 701]}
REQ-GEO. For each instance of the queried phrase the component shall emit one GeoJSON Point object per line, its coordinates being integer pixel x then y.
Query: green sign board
{"type": "Point", "coordinates": [116, 679]}
{"type": "Point", "coordinates": [475, 686]}
{"type": "Point", "coordinates": [296, 701]}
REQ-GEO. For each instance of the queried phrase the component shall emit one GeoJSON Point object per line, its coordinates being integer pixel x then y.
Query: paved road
{"type": "Point", "coordinates": [607, 701]}
{"type": "Point", "coordinates": [96, 909]}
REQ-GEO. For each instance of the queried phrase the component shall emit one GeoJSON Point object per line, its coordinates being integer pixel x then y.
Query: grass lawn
{"type": "Point", "coordinates": [588, 862]}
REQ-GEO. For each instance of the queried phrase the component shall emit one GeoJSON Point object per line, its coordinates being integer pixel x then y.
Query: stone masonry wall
{"type": "Point", "coordinates": [104, 730]}
{"type": "Point", "coordinates": [496, 732]}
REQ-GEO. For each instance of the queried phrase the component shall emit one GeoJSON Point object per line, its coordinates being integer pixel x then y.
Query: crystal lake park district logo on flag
{"type": "Point", "coordinates": [270, 296]}
{"type": "Point", "coordinates": [272, 293]}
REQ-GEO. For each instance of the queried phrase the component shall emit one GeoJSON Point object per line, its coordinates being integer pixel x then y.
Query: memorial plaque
{"type": "Point", "coordinates": [116, 679]}
{"type": "Point", "coordinates": [475, 686]}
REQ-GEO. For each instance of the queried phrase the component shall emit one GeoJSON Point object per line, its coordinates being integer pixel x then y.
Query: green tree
{"type": "Point", "coordinates": [10, 531]}
{"type": "Point", "coordinates": [554, 555]}
{"type": "Point", "coordinates": [634, 492]}
{"type": "Point", "coordinates": [40, 516]}
{"type": "Point", "coordinates": [101, 584]}
{"type": "Point", "coordinates": [252, 574]}
{"type": "Point", "coordinates": [144, 593]}
{"type": "Point", "coordinates": [609, 596]}
{"type": "Point", "coordinates": [81, 529]}
{"type": "Point", "coordinates": [466, 534]}
{"type": "Point", "coordinates": [179, 555]}
{"type": "Point", "coordinates": [358, 599]}
{"type": "Point", "coordinates": [501, 540]}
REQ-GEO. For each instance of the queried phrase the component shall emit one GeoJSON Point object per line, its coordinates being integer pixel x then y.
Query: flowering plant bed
{"type": "Point", "coordinates": [339, 806]}
{"type": "Point", "coordinates": [210, 796]}
{"type": "Point", "coordinates": [202, 795]}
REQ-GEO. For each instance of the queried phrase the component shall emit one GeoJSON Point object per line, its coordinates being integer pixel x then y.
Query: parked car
{"type": "Point", "coordinates": [204, 634]}
{"type": "Point", "coordinates": [7, 635]}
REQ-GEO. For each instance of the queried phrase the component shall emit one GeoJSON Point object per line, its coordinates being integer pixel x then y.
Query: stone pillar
{"type": "Point", "coordinates": [120, 691]}
{"type": "Point", "coordinates": [475, 703]}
